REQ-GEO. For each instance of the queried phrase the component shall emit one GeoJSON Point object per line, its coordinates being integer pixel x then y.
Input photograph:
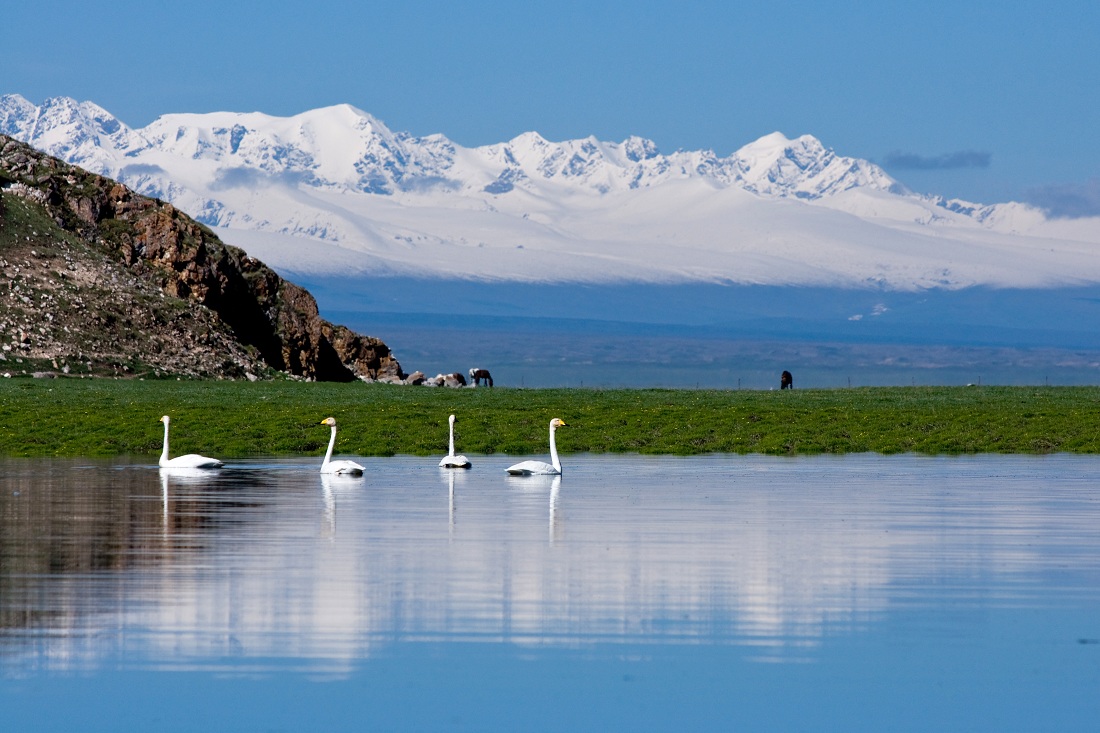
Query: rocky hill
{"type": "Point", "coordinates": [98, 280]}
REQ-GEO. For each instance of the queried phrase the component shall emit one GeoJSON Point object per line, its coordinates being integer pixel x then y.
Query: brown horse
{"type": "Point", "coordinates": [481, 374]}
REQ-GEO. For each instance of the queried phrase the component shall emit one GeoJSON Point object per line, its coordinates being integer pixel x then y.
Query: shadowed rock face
{"type": "Point", "coordinates": [160, 245]}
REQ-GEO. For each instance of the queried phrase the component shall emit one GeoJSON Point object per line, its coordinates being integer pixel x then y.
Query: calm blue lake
{"type": "Point", "coordinates": [721, 593]}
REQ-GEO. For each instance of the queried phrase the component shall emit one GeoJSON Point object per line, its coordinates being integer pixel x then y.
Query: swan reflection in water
{"type": "Point", "coordinates": [331, 485]}
{"type": "Point", "coordinates": [451, 504]}
{"type": "Point", "coordinates": [542, 482]}
{"type": "Point", "coordinates": [555, 488]}
{"type": "Point", "coordinates": [451, 481]}
{"type": "Point", "coordinates": [180, 476]}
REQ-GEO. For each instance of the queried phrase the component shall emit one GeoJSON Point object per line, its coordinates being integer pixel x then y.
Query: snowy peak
{"type": "Point", "coordinates": [772, 166]}
{"type": "Point", "coordinates": [339, 146]}
{"type": "Point", "coordinates": [79, 132]}
{"type": "Point", "coordinates": [589, 165]}
{"type": "Point", "coordinates": [15, 113]}
{"type": "Point", "coordinates": [804, 168]}
{"type": "Point", "coordinates": [638, 149]}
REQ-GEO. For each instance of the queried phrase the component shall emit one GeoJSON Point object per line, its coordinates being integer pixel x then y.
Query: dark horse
{"type": "Point", "coordinates": [479, 374]}
{"type": "Point", "coordinates": [786, 381]}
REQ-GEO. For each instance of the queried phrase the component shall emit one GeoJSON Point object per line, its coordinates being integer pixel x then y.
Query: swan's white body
{"type": "Point", "coordinates": [540, 468]}
{"type": "Point", "coordinates": [349, 468]}
{"type": "Point", "coordinates": [191, 460]}
{"type": "Point", "coordinates": [451, 460]}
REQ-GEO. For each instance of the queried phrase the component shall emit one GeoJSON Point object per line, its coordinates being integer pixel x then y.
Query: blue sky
{"type": "Point", "coordinates": [988, 101]}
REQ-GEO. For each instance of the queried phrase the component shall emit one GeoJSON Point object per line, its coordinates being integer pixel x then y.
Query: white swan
{"type": "Point", "coordinates": [451, 460]}
{"type": "Point", "coordinates": [342, 467]}
{"type": "Point", "coordinates": [538, 468]}
{"type": "Point", "coordinates": [191, 460]}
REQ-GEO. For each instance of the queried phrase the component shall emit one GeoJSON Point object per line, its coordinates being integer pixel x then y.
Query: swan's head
{"type": "Point", "coordinates": [557, 422]}
{"type": "Point", "coordinates": [164, 419]}
{"type": "Point", "coordinates": [451, 419]}
{"type": "Point", "coordinates": [330, 421]}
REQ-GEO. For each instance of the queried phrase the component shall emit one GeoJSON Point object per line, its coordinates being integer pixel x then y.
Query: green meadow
{"type": "Point", "coordinates": [100, 417]}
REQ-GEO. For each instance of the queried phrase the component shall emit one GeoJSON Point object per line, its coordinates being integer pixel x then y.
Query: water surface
{"type": "Point", "coordinates": [635, 593]}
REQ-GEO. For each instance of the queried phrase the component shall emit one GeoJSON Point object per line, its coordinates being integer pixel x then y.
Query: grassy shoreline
{"type": "Point", "coordinates": [95, 418]}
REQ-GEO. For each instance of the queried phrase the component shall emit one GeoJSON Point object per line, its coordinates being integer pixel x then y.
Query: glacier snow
{"type": "Point", "coordinates": [333, 191]}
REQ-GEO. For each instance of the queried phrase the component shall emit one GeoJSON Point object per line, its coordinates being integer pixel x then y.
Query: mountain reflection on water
{"type": "Point", "coordinates": [115, 563]}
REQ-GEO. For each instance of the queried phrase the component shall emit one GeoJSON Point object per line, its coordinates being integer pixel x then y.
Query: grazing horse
{"type": "Point", "coordinates": [786, 381]}
{"type": "Point", "coordinates": [479, 374]}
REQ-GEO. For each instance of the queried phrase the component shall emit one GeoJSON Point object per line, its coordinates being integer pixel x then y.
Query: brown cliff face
{"type": "Point", "coordinates": [148, 243]}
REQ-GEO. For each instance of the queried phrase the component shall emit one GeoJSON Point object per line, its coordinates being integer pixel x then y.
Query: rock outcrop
{"type": "Point", "coordinates": [86, 246]}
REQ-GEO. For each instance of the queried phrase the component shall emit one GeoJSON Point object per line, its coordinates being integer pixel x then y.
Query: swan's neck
{"type": "Point", "coordinates": [331, 443]}
{"type": "Point", "coordinates": [451, 444]}
{"type": "Point", "coordinates": [164, 451]}
{"type": "Point", "coordinates": [554, 451]}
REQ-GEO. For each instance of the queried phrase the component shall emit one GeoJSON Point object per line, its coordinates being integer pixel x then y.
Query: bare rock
{"type": "Point", "coordinates": [241, 311]}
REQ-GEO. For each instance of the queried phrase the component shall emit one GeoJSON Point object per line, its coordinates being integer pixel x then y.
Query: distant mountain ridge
{"type": "Point", "coordinates": [367, 199]}
{"type": "Point", "coordinates": [344, 148]}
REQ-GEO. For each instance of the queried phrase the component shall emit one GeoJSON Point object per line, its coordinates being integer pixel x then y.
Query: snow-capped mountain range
{"type": "Point", "coordinates": [333, 191]}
